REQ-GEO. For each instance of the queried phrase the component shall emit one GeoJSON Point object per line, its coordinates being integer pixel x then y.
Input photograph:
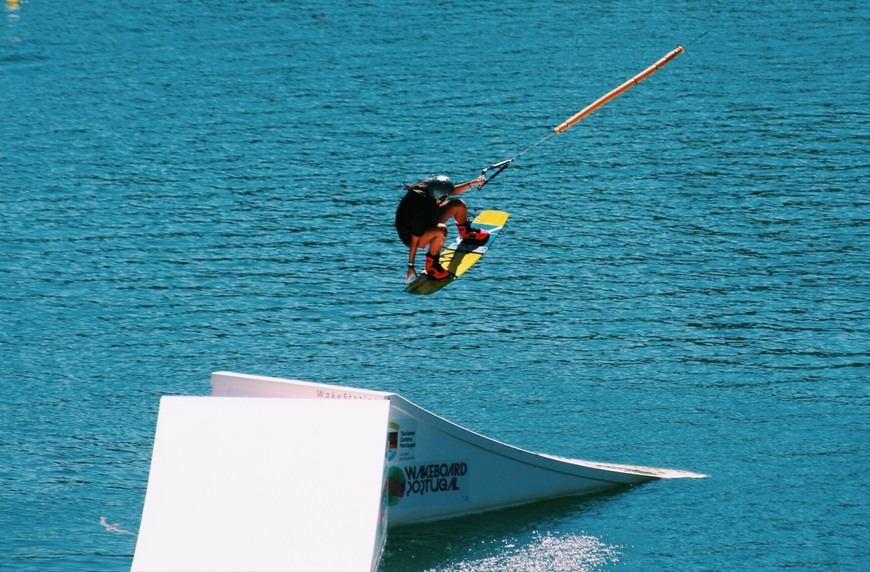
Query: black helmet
{"type": "Point", "coordinates": [439, 187]}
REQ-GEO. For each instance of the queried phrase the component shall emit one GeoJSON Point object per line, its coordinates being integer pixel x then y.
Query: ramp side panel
{"type": "Point", "coordinates": [264, 484]}
{"type": "Point", "coordinates": [437, 469]}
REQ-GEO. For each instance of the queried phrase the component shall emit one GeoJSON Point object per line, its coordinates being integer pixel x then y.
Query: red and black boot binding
{"type": "Point", "coordinates": [467, 232]}
{"type": "Point", "coordinates": [434, 269]}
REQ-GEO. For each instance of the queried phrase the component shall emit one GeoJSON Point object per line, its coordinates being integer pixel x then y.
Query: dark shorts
{"type": "Point", "coordinates": [416, 214]}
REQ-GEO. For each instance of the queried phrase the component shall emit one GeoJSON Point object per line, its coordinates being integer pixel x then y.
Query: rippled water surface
{"type": "Point", "coordinates": [188, 187]}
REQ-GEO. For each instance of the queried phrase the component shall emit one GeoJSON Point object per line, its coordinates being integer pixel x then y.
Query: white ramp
{"type": "Point", "coordinates": [262, 484]}
{"type": "Point", "coordinates": [437, 469]}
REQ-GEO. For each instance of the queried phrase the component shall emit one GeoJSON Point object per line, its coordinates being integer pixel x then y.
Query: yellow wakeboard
{"type": "Point", "coordinates": [461, 255]}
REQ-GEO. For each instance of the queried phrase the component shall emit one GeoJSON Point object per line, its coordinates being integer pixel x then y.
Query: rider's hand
{"type": "Point", "coordinates": [412, 273]}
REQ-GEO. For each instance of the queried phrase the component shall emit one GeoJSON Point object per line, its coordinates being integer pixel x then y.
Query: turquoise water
{"type": "Point", "coordinates": [198, 186]}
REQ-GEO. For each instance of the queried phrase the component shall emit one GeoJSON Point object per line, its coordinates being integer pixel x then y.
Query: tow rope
{"type": "Point", "coordinates": [565, 125]}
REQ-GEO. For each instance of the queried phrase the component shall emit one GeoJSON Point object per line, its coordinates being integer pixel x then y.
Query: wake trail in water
{"type": "Point", "coordinates": [114, 527]}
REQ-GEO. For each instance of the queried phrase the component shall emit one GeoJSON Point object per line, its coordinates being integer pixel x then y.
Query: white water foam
{"type": "Point", "coordinates": [546, 553]}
